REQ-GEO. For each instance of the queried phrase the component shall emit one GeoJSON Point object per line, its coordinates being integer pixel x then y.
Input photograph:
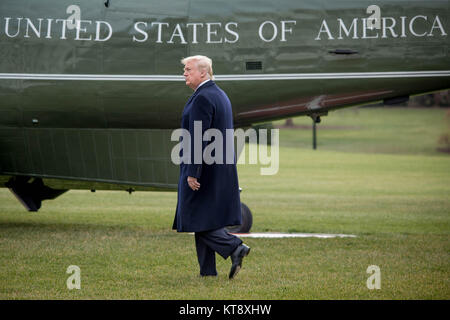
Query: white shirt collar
{"type": "Point", "coordinates": [202, 83]}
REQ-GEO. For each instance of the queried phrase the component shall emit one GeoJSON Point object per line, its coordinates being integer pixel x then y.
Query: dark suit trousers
{"type": "Point", "coordinates": [208, 243]}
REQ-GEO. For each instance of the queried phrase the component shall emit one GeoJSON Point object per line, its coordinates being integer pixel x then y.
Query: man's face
{"type": "Point", "coordinates": [193, 75]}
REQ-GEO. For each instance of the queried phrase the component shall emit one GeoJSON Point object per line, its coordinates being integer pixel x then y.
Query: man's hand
{"type": "Point", "coordinates": [193, 183]}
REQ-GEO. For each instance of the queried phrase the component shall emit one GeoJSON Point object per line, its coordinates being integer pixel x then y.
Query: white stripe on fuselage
{"type": "Point", "coordinates": [231, 77]}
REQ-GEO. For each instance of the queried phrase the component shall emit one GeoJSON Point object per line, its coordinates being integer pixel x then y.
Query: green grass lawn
{"type": "Point", "coordinates": [376, 174]}
{"type": "Point", "coordinates": [373, 130]}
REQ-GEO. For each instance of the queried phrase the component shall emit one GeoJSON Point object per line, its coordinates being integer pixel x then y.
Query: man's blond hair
{"type": "Point", "coordinates": [203, 63]}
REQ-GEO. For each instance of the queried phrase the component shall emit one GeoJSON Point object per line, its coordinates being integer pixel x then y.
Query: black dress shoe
{"type": "Point", "coordinates": [236, 259]}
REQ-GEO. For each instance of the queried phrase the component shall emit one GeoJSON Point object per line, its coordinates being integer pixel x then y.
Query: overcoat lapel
{"type": "Point", "coordinates": [208, 84]}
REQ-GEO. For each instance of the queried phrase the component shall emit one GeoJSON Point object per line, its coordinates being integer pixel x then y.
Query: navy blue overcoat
{"type": "Point", "coordinates": [217, 203]}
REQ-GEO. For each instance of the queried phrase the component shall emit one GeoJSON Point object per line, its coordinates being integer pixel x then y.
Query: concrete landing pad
{"type": "Point", "coordinates": [293, 235]}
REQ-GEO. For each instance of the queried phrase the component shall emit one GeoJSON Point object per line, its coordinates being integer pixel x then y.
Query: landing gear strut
{"type": "Point", "coordinates": [31, 194]}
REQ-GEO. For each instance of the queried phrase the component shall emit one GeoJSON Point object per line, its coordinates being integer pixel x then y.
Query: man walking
{"type": "Point", "coordinates": [208, 193]}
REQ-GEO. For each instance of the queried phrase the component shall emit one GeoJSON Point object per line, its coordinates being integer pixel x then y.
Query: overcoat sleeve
{"type": "Point", "coordinates": [202, 113]}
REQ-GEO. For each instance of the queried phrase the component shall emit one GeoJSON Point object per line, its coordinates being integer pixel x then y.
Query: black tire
{"type": "Point", "coordinates": [247, 221]}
